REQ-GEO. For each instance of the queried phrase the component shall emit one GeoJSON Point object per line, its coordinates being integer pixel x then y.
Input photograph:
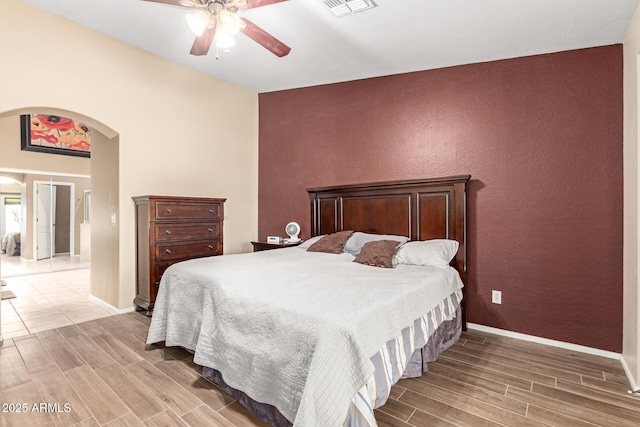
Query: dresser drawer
{"type": "Point", "coordinates": [186, 250]}
{"type": "Point", "coordinates": [187, 210]}
{"type": "Point", "coordinates": [159, 271]}
{"type": "Point", "coordinates": [180, 231]}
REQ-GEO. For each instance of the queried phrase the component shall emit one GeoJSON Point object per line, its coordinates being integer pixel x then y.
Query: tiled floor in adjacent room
{"type": "Point", "coordinates": [47, 301]}
{"type": "Point", "coordinates": [18, 266]}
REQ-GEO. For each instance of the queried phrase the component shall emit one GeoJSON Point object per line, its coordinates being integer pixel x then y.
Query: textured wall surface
{"type": "Point", "coordinates": [541, 137]}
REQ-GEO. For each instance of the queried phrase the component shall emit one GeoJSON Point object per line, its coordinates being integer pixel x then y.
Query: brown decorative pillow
{"type": "Point", "coordinates": [331, 243]}
{"type": "Point", "coordinates": [378, 253]}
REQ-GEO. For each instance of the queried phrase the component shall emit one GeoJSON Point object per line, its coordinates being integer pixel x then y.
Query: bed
{"type": "Point", "coordinates": [11, 244]}
{"type": "Point", "coordinates": [315, 339]}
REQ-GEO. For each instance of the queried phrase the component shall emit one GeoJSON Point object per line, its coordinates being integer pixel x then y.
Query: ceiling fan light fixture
{"type": "Point", "coordinates": [197, 21]}
{"type": "Point", "coordinates": [230, 22]}
{"type": "Point", "coordinates": [224, 40]}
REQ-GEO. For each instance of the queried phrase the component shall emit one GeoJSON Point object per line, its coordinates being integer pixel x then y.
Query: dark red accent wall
{"type": "Point", "coordinates": [541, 137]}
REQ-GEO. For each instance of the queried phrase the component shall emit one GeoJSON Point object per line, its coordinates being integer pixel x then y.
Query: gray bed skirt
{"type": "Point", "coordinates": [445, 335]}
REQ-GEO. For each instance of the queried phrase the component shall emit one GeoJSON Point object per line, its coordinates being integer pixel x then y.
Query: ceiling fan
{"type": "Point", "coordinates": [217, 19]}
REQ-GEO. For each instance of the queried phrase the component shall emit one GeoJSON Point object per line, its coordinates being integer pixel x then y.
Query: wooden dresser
{"type": "Point", "coordinates": [170, 230]}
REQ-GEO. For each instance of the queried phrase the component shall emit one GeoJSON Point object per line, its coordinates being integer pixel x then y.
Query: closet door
{"type": "Point", "coordinates": [45, 220]}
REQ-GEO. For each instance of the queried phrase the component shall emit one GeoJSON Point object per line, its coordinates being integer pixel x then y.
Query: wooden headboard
{"type": "Point", "coordinates": [433, 208]}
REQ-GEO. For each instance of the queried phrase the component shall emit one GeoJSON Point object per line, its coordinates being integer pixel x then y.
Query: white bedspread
{"type": "Point", "coordinates": [292, 328]}
{"type": "Point", "coordinates": [11, 243]}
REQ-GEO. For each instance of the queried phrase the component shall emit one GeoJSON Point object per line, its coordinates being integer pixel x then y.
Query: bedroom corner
{"type": "Point", "coordinates": [631, 328]}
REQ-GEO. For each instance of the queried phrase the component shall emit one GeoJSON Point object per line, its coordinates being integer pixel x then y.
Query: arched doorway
{"type": "Point", "coordinates": [102, 279]}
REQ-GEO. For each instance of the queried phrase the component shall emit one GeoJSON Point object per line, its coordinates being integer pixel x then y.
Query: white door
{"type": "Point", "coordinates": [45, 221]}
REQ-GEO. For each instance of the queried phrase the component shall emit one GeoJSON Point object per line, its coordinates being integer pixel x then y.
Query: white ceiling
{"type": "Point", "coordinates": [396, 37]}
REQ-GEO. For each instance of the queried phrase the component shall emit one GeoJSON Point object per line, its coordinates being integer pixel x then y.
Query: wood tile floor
{"type": "Point", "coordinates": [106, 376]}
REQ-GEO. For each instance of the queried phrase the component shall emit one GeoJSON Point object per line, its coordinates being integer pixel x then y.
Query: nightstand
{"type": "Point", "coordinates": [264, 246]}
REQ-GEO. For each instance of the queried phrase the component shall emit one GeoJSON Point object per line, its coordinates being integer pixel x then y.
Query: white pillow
{"type": "Point", "coordinates": [358, 239]}
{"type": "Point", "coordinates": [307, 243]}
{"type": "Point", "coordinates": [436, 252]}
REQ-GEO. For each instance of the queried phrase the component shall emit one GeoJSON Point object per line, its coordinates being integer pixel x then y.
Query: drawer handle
{"type": "Point", "coordinates": [168, 210]}
{"type": "Point", "coordinates": [211, 210]}
{"type": "Point", "coordinates": [210, 230]}
{"type": "Point", "coordinates": [168, 231]}
{"type": "Point", "coordinates": [210, 246]}
{"type": "Point", "coordinates": [168, 251]}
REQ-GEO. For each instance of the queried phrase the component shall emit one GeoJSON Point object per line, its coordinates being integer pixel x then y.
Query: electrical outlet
{"type": "Point", "coordinates": [496, 297]}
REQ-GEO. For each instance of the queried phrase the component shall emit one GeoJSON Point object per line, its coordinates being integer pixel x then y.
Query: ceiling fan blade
{"type": "Point", "coordinates": [265, 39]}
{"type": "Point", "coordinates": [251, 4]}
{"type": "Point", "coordinates": [171, 2]}
{"type": "Point", "coordinates": [203, 42]}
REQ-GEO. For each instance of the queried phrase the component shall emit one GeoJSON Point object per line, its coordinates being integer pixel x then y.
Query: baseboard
{"type": "Point", "coordinates": [546, 341]}
{"type": "Point", "coordinates": [109, 307]}
{"type": "Point", "coordinates": [630, 376]}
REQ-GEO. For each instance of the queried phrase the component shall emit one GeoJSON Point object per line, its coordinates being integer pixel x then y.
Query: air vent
{"type": "Point", "coordinates": [348, 7]}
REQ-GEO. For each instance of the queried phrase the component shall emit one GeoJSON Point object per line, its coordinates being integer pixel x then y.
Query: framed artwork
{"type": "Point", "coordinates": [46, 133]}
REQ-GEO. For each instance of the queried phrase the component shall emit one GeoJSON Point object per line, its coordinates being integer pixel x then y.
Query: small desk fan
{"type": "Point", "coordinates": [293, 230]}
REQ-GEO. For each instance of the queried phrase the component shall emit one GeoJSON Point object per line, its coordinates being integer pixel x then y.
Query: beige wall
{"type": "Point", "coordinates": [180, 132]}
{"type": "Point", "coordinates": [105, 232]}
{"type": "Point", "coordinates": [631, 322]}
